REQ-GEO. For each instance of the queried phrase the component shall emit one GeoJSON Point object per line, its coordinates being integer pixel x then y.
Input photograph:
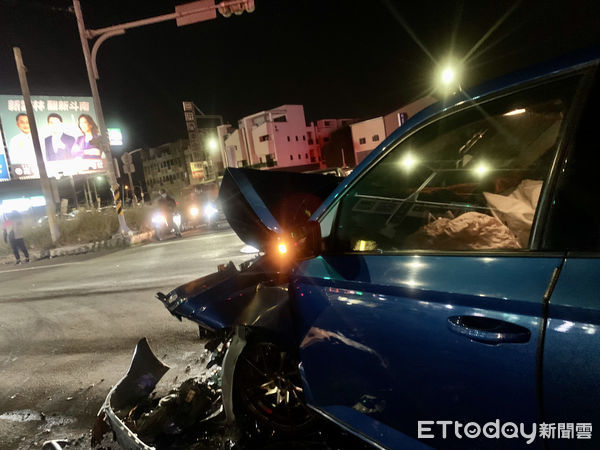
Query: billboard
{"type": "Point", "coordinates": [68, 132]}
{"type": "Point", "coordinates": [3, 163]}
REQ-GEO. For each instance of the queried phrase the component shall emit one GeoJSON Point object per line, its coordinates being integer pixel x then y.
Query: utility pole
{"type": "Point", "coordinates": [44, 181]}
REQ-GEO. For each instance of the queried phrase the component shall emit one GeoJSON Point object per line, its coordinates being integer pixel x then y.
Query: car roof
{"type": "Point", "coordinates": [553, 68]}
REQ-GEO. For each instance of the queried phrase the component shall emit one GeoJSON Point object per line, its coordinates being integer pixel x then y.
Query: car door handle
{"type": "Point", "coordinates": [488, 330]}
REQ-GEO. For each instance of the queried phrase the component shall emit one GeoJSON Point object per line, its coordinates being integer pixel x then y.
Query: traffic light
{"type": "Point", "coordinates": [237, 7]}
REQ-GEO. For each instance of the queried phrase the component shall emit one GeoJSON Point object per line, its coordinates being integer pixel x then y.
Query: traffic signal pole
{"type": "Point", "coordinates": [184, 14]}
{"type": "Point", "coordinates": [105, 144]}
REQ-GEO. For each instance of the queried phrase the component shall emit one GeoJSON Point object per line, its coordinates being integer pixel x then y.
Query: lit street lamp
{"type": "Point", "coordinates": [448, 78]}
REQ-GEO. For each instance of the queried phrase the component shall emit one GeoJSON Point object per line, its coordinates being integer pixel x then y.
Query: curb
{"type": "Point", "coordinates": [117, 240]}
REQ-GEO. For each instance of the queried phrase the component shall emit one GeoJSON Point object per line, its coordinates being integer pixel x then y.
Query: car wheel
{"type": "Point", "coordinates": [267, 385]}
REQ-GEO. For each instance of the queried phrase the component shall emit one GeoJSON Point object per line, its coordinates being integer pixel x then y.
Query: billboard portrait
{"type": "Point", "coordinates": [68, 132]}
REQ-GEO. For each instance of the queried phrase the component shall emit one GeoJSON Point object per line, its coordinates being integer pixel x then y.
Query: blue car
{"type": "Point", "coordinates": [446, 294]}
{"type": "Point", "coordinates": [459, 278]}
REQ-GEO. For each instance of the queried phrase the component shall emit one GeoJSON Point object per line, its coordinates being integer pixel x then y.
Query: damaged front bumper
{"type": "Point", "coordinates": [145, 372]}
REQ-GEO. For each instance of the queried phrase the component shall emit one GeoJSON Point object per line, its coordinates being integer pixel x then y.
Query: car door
{"type": "Point", "coordinates": [422, 318]}
{"type": "Point", "coordinates": [571, 363]}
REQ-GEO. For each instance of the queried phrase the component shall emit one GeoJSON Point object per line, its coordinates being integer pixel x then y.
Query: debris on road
{"type": "Point", "coordinates": [24, 415]}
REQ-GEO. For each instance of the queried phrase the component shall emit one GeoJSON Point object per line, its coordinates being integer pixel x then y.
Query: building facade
{"type": "Point", "coordinates": [368, 134]}
{"type": "Point", "coordinates": [167, 166]}
{"type": "Point", "coordinates": [279, 137]}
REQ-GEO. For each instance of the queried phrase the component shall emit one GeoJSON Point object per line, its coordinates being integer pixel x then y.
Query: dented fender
{"type": "Point", "coordinates": [255, 296]}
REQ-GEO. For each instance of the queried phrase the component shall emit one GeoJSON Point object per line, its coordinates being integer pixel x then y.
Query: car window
{"type": "Point", "coordinates": [574, 222]}
{"type": "Point", "coordinates": [468, 181]}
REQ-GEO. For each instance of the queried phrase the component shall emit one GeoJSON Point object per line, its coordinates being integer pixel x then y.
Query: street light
{"type": "Point", "coordinates": [448, 78]}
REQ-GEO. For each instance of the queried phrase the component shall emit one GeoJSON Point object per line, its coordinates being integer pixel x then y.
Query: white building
{"type": "Point", "coordinates": [277, 137]}
{"type": "Point", "coordinates": [368, 134]}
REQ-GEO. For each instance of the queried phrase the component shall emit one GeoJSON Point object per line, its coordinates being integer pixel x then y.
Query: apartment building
{"type": "Point", "coordinates": [279, 137]}
{"type": "Point", "coordinates": [368, 134]}
{"type": "Point", "coordinates": [167, 166]}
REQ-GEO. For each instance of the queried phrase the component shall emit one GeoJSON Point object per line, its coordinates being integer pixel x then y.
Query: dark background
{"type": "Point", "coordinates": [339, 58]}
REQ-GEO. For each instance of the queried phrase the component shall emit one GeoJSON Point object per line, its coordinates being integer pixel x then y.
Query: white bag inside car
{"type": "Point", "coordinates": [517, 209]}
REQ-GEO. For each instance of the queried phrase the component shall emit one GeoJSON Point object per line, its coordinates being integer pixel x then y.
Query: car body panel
{"type": "Point", "coordinates": [571, 366]}
{"type": "Point", "coordinates": [386, 437]}
{"type": "Point", "coordinates": [377, 332]}
{"type": "Point", "coordinates": [254, 296]}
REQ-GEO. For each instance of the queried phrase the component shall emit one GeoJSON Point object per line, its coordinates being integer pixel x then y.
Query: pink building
{"type": "Point", "coordinates": [278, 137]}
{"type": "Point", "coordinates": [368, 134]}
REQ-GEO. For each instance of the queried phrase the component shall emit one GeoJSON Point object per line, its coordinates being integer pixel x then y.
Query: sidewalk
{"type": "Point", "coordinates": [117, 240]}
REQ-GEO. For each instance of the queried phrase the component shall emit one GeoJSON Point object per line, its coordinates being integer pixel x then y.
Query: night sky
{"type": "Point", "coordinates": [338, 58]}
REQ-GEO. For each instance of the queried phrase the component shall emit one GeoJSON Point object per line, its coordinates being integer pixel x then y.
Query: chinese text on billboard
{"type": "Point", "coordinates": [68, 132]}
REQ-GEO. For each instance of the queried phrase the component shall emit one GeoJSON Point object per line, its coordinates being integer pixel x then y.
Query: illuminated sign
{"type": "Point", "coordinates": [69, 136]}
{"type": "Point", "coordinates": [197, 169]}
{"type": "Point", "coordinates": [22, 204]}
{"type": "Point", "coordinates": [115, 136]}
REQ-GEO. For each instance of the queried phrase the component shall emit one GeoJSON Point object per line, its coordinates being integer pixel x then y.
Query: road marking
{"type": "Point", "coordinates": [39, 267]}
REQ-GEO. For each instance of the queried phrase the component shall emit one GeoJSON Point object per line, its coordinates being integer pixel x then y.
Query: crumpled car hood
{"type": "Point", "coordinates": [260, 204]}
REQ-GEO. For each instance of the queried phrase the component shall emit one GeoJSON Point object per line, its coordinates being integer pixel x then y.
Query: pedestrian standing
{"type": "Point", "coordinates": [11, 232]}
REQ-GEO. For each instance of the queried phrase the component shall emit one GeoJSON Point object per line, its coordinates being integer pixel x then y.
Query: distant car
{"type": "Point", "coordinates": [449, 284]}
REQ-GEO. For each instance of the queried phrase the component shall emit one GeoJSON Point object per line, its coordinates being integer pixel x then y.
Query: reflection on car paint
{"type": "Point", "coordinates": [318, 335]}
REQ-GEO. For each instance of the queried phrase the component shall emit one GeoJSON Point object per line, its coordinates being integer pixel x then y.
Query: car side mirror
{"type": "Point", "coordinates": [303, 242]}
{"type": "Point", "coordinates": [308, 240]}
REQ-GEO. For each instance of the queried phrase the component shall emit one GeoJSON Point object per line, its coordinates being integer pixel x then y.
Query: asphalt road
{"type": "Point", "coordinates": [68, 328]}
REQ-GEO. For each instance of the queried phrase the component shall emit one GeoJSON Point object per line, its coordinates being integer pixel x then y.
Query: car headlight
{"type": "Point", "coordinates": [210, 211]}
{"type": "Point", "coordinates": [194, 211]}
{"type": "Point", "coordinates": [158, 219]}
